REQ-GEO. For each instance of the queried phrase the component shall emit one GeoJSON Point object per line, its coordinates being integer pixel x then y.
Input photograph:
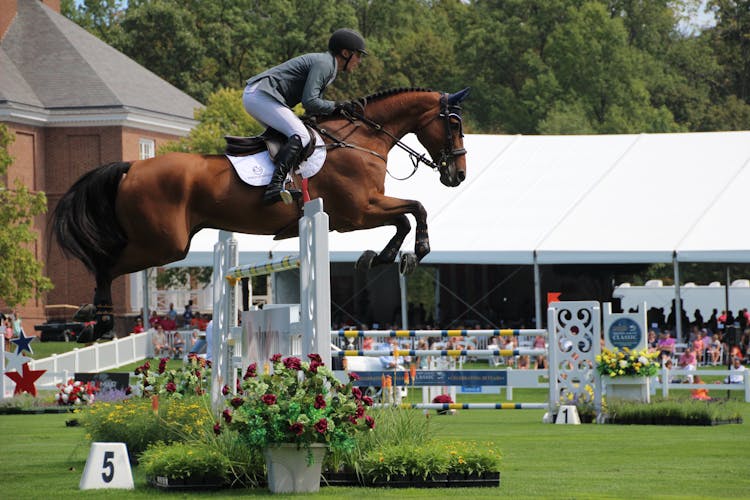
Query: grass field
{"type": "Point", "coordinates": [42, 458]}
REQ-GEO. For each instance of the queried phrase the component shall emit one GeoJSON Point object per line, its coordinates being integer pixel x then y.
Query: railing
{"type": "Point", "coordinates": [668, 375]}
{"type": "Point", "coordinates": [93, 359]}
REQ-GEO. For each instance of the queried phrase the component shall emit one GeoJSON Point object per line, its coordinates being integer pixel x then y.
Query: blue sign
{"type": "Point", "coordinates": [465, 378]}
{"type": "Point", "coordinates": [625, 332]}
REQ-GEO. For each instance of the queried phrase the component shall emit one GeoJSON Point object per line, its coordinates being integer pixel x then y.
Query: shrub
{"type": "Point", "coordinates": [184, 460]}
{"type": "Point", "coordinates": [673, 412]}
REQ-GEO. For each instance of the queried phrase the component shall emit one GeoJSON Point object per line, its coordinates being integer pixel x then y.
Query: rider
{"type": "Point", "coordinates": [269, 97]}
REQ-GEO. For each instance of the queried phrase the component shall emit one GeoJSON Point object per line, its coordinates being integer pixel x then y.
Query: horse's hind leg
{"type": "Point", "coordinates": [104, 314]}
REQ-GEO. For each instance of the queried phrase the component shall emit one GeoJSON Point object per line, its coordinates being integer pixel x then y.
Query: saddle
{"type": "Point", "coordinates": [271, 140]}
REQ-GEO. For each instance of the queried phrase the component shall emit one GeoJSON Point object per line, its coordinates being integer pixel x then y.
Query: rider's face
{"type": "Point", "coordinates": [353, 62]}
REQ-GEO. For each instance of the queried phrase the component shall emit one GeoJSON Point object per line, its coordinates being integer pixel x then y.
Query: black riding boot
{"type": "Point", "coordinates": [288, 158]}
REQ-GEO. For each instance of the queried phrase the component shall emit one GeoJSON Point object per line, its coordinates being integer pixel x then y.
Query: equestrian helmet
{"type": "Point", "coordinates": [346, 38]}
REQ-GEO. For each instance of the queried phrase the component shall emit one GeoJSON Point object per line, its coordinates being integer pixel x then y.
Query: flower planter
{"type": "Point", "coordinates": [629, 388]}
{"type": "Point", "coordinates": [288, 469]}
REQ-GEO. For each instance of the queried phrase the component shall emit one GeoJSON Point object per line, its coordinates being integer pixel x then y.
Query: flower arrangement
{"type": "Point", "coordinates": [443, 399]}
{"type": "Point", "coordinates": [74, 392]}
{"type": "Point", "coordinates": [193, 378]}
{"type": "Point", "coordinates": [298, 402]}
{"type": "Point", "coordinates": [619, 363]}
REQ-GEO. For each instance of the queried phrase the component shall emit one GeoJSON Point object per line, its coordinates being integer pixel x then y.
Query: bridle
{"type": "Point", "coordinates": [449, 113]}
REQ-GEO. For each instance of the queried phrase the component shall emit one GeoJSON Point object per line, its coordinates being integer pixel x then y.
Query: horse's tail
{"type": "Point", "coordinates": [85, 223]}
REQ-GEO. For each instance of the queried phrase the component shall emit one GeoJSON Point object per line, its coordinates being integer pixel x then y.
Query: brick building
{"type": "Point", "coordinates": [73, 103]}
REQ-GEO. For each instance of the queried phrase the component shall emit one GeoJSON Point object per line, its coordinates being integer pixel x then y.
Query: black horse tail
{"type": "Point", "coordinates": [85, 223]}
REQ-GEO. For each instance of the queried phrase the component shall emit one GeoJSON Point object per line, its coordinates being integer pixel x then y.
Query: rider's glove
{"type": "Point", "coordinates": [347, 107]}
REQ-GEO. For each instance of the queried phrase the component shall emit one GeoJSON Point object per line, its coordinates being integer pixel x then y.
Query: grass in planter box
{"type": "Point", "coordinates": [186, 461]}
{"type": "Point", "coordinates": [673, 412]}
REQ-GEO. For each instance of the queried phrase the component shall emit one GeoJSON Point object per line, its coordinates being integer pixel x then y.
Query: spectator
{"type": "Point", "coordinates": [188, 314]}
{"type": "Point", "coordinates": [193, 338]}
{"type": "Point", "coordinates": [153, 320]}
{"type": "Point", "coordinates": [138, 328]}
{"type": "Point", "coordinates": [699, 349]}
{"type": "Point", "coordinates": [389, 362]}
{"type": "Point", "coordinates": [159, 340]}
{"type": "Point", "coordinates": [540, 342]}
{"type": "Point", "coordinates": [172, 314]}
{"type": "Point", "coordinates": [168, 323]}
{"type": "Point", "coordinates": [7, 333]}
{"type": "Point", "coordinates": [178, 344]}
{"type": "Point", "coordinates": [652, 341]}
{"type": "Point", "coordinates": [688, 361]}
{"type": "Point", "coordinates": [714, 350]}
{"type": "Point", "coordinates": [665, 345]}
{"type": "Point", "coordinates": [738, 377]}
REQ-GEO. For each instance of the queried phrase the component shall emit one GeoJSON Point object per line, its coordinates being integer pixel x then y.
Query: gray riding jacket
{"type": "Point", "coordinates": [301, 79]}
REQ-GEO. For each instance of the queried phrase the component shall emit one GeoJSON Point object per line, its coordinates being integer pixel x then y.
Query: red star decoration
{"type": "Point", "coordinates": [25, 382]}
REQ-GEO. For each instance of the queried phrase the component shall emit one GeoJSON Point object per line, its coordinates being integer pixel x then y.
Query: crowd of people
{"type": "Point", "coordinates": [168, 330]}
{"type": "Point", "coordinates": [11, 328]}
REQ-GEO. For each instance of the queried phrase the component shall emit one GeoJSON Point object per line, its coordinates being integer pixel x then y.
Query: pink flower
{"type": "Point", "coordinates": [370, 422]}
{"type": "Point", "coordinates": [321, 426]}
{"type": "Point", "coordinates": [356, 393]}
{"type": "Point", "coordinates": [170, 387]}
{"type": "Point", "coordinates": [353, 376]}
{"type": "Point", "coordinates": [251, 371]}
{"type": "Point", "coordinates": [269, 399]}
{"type": "Point", "coordinates": [276, 358]}
{"type": "Point", "coordinates": [359, 413]}
{"type": "Point", "coordinates": [320, 402]}
{"type": "Point", "coordinates": [314, 365]}
{"type": "Point", "coordinates": [297, 428]}
{"type": "Point", "coordinates": [367, 400]}
{"type": "Point", "coordinates": [292, 363]}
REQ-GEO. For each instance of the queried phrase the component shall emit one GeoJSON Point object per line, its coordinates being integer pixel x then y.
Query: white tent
{"type": "Point", "coordinates": [564, 199]}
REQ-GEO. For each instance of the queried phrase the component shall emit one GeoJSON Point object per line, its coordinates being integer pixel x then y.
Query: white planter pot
{"type": "Point", "coordinates": [629, 388]}
{"type": "Point", "coordinates": [288, 469]}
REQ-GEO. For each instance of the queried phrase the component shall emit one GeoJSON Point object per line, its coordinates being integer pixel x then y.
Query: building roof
{"type": "Point", "coordinates": [53, 72]}
{"type": "Point", "coordinates": [565, 200]}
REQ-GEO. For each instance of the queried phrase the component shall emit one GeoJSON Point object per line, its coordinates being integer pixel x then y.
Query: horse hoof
{"type": "Point", "coordinates": [408, 263]}
{"type": "Point", "coordinates": [365, 260]}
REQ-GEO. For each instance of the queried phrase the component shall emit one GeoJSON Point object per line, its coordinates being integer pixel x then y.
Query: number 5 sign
{"type": "Point", "coordinates": [108, 466]}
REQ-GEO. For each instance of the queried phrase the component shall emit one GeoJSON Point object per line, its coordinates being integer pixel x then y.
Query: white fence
{"type": "Point", "coordinates": [676, 379]}
{"type": "Point", "coordinates": [92, 359]}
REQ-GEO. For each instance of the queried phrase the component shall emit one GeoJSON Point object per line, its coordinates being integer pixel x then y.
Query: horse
{"type": "Point", "coordinates": [124, 217]}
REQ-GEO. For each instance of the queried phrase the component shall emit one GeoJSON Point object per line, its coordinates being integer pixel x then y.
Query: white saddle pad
{"type": "Point", "coordinates": [257, 169]}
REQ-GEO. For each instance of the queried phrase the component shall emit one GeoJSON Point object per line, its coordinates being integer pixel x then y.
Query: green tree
{"type": "Point", "coordinates": [21, 275]}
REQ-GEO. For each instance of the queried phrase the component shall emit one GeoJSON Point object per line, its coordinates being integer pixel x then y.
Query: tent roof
{"type": "Point", "coordinates": [567, 200]}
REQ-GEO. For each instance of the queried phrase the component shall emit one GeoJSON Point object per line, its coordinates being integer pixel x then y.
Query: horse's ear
{"type": "Point", "coordinates": [458, 97]}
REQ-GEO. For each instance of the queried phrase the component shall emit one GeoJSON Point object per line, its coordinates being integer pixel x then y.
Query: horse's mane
{"type": "Point", "coordinates": [389, 92]}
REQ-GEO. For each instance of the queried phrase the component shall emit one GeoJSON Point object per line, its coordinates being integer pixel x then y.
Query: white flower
{"type": "Point", "coordinates": [68, 389]}
{"type": "Point", "coordinates": [77, 401]}
{"type": "Point", "coordinates": [57, 397]}
{"type": "Point", "coordinates": [64, 398]}
{"type": "Point", "coordinates": [643, 360]}
{"type": "Point", "coordinates": [623, 363]}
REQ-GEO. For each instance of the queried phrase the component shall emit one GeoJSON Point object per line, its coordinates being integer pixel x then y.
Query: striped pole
{"type": "Point", "coordinates": [444, 352]}
{"type": "Point", "coordinates": [272, 266]}
{"type": "Point", "coordinates": [467, 406]}
{"type": "Point", "coordinates": [349, 334]}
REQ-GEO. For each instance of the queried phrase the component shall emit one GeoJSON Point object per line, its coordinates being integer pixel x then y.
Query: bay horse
{"type": "Point", "coordinates": [124, 217]}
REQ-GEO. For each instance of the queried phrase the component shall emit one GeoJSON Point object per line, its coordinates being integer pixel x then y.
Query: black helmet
{"type": "Point", "coordinates": [346, 39]}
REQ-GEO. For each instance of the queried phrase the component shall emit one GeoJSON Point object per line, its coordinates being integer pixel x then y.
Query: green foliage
{"type": "Point", "coordinates": [184, 460]}
{"type": "Point", "coordinates": [673, 412]}
{"type": "Point", "coordinates": [189, 379]}
{"type": "Point", "coordinates": [180, 277]}
{"type": "Point", "coordinates": [134, 422]}
{"type": "Point", "coordinates": [21, 275]}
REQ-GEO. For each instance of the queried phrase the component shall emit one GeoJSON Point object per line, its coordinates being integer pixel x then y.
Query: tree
{"type": "Point", "coordinates": [21, 275]}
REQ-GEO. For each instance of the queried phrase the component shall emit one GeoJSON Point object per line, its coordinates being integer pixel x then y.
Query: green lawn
{"type": "Point", "coordinates": [41, 458]}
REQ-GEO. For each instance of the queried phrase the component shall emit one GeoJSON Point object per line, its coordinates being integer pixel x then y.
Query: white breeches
{"type": "Point", "coordinates": [271, 113]}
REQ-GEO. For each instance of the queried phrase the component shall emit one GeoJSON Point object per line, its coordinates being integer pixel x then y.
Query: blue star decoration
{"type": "Point", "coordinates": [23, 343]}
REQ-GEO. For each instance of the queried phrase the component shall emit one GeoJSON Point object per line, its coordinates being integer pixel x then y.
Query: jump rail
{"type": "Point", "coordinates": [443, 352]}
{"type": "Point", "coordinates": [505, 332]}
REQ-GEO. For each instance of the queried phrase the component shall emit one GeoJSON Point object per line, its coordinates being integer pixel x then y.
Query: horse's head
{"type": "Point", "coordinates": [443, 136]}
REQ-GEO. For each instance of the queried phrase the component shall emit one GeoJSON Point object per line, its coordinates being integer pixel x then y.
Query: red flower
{"type": "Point", "coordinates": [352, 419]}
{"type": "Point", "coordinates": [314, 365]}
{"type": "Point", "coordinates": [442, 398]}
{"type": "Point", "coordinates": [225, 390]}
{"type": "Point", "coordinates": [163, 364]}
{"type": "Point", "coordinates": [353, 376]}
{"type": "Point", "coordinates": [276, 358]}
{"type": "Point", "coordinates": [236, 402]}
{"type": "Point", "coordinates": [217, 428]}
{"type": "Point", "coordinates": [170, 387]}
{"type": "Point", "coordinates": [269, 399]}
{"type": "Point", "coordinates": [292, 363]}
{"type": "Point", "coordinates": [321, 426]}
{"type": "Point", "coordinates": [315, 357]}
{"type": "Point", "coordinates": [128, 391]}
{"type": "Point", "coordinates": [367, 400]}
{"type": "Point", "coordinates": [356, 393]}
{"type": "Point", "coordinates": [320, 402]}
{"type": "Point", "coordinates": [251, 371]}
{"type": "Point", "coordinates": [297, 428]}
{"type": "Point", "coordinates": [370, 422]}
{"type": "Point", "coordinates": [359, 413]}
{"type": "Point", "coordinates": [227, 415]}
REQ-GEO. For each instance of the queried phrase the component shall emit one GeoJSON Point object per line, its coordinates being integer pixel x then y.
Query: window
{"type": "Point", "coordinates": [146, 148]}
